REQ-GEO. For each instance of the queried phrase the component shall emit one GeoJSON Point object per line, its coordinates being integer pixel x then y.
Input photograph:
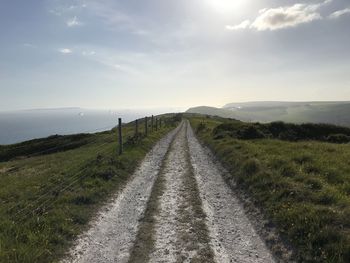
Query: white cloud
{"type": "Point", "coordinates": [65, 51]}
{"type": "Point", "coordinates": [245, 24]}
{"type": "Point", "coordinates": [73, 22]}
{"type": "Point", "coordinates": [283, 17]}
{"type": "Point", "coordinates": [339, 13]}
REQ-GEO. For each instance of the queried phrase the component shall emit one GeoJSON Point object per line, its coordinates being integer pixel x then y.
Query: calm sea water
{"type": "Point", "coordinates": [20, 126]}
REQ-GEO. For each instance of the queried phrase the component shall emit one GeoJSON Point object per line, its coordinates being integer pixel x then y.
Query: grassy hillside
{"type": "Point", "coordinates": [297, 112]}
{"type": "Point", "coordinates": [302, 185]}
{"type": "Point", "coordinates": [50, 188]}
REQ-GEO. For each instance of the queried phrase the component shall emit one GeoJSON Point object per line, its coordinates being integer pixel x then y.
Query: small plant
{"type": "Point", "coordinates": [251, 167]}
{"type": "Point", "coordinates": [201, 127]}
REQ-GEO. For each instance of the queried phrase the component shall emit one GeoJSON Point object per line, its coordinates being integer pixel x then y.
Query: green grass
{"type": "Point", "coordinates": [302, 187]}
{"type": "Point", "coordinates": [46, 200]}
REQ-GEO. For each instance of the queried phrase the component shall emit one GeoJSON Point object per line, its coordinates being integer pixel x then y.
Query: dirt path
{"type": "Point", "coordinates": [113, 233]}
{"type": "Point", "coordinates": [180, 233]}
{"type": "Point", "coordinates": [233, 237]}
{"type": "Point", "coordinates": [177, 208]}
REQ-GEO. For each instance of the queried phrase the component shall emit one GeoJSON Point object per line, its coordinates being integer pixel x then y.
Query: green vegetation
{"type": "Point", "coordinates": [50, 188]}
{"type": "Point", "coordinates": [337, 113]}
{"type": "Point", "coordinates": [283, 131]}
{"type": "Point", "coordinates": [52, 144]}
{"type": "Point", "coordinates": [302, 186]}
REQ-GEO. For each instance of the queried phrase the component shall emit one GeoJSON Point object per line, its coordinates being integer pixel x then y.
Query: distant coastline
{"type": "Point", "coordinates": [22, 125]}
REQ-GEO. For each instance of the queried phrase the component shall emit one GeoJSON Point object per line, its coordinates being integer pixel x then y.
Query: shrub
{"type": "Point", "coordinates": [338, 138]}
{"type": "Point", "coordinates": [201, 127]}
{"type": "Point", "coordinates": [288, 135]}
{"type": "Point", "coordinates": [250, 132]}
{"type": "Point", "coordinates": [283, 131]}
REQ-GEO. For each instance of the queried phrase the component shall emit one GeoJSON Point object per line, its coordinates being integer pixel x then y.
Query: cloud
{"type": "Point", "coordinates": [65, 51]}
{"type": "Point", "coordinates": [283, 17]}
{"type": "Point", "coordinates": [73, 22]}
{"type": "Point", "coordinates": [245, 24]}
{"type": "Point", "coordinates": [339, 13]}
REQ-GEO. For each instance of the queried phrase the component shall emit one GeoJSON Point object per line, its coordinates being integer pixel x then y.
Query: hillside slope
{"type": "Point", "coordinates": [296, 112]}
{"type": "Point", "coordinates": [50, 188]}
{"type": "Point", "coordinates": [301, 184]}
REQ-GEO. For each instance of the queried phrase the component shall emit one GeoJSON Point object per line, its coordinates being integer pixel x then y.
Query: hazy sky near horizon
{"type": "Point", "coordinates": [172, 53]}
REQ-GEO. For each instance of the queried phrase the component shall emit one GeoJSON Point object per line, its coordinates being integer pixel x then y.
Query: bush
{"type": "Point", "coordinates": [338, 138]}
{"type": "Point", "coordinates": [283, 131]}
{"type": "Point", "coordinates": [250, 132]}
{"type": "Point", "coordinates": [201, 127]}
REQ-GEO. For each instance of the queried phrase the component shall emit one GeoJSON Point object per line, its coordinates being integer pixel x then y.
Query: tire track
{"type": "Point", "coordinates": [178, 232]}
{"type": "Point", "coordinates": [233, 237]}
{"type": "Point", "coordinates": [113, 232]}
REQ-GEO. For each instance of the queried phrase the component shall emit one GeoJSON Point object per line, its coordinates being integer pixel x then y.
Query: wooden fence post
{"type": "Point", "coordinates": [136, 127]}
{"type": "Point", "coordinates": [156, 124]}
{"type": "Point", "coordinates": [152, 123]}
{"type": "Point", "coordinates": [146, 126]}
{"type": "Point", "coordinates": [160, 123]}
{"type": "Point", "coordinates": [120, 138]}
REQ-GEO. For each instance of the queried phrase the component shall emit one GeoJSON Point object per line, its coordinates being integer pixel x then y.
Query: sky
{"type": "Point", "coordinates": [171, 53]}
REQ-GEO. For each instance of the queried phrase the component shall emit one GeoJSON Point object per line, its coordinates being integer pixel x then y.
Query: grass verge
{"type": "Point", "coordinates": [302, 187]}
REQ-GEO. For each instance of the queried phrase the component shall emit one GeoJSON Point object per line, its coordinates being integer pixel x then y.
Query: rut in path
{"type": "Point", "coordinates": [176, 208]}
{"type": "Point", "coordinates": [175, 228]}
{"type": "Point", "coordinates": [112, 233]}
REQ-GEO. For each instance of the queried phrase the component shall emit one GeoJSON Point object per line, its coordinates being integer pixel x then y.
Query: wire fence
{"type": "Point", "coordinates": [47, 198]}
{"type": "Point", "coordinates": [51, 193]}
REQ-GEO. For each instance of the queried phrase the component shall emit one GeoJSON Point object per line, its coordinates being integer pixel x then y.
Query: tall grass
{"type": "Point", "coordinates": [302, 187]}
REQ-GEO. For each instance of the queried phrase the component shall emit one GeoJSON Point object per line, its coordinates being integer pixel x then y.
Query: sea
{"type": "Point", "coordinates": [23, 125]}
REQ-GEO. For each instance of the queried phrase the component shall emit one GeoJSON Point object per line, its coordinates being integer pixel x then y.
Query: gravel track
{"type": "Point", "coordinates": [166, 227]}
{"type": "Point", "coordinates": [180, 231]}
{"type": "Point", "coordinates": [196, 217]}
{"type": "Point", "coordinates": [233, 237]}
{"type": "Point", "coordinates": [113, 232]}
